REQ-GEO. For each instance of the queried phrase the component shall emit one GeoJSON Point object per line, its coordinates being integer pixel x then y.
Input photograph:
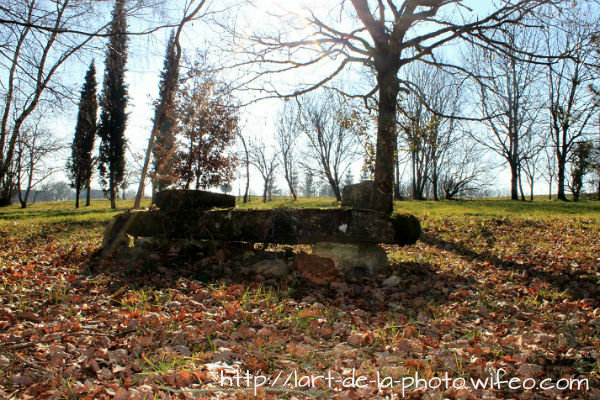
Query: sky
{"type": "Point", "coordinates": [145, 63]}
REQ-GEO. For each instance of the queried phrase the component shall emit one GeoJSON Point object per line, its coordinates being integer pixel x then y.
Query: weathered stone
{"type": "Point", "coordinates": [271, 268]}
{"type": "Point", "coordinates": [318, 270]}
{"type": "Point", "coordinates": [353, 258]}
{"type": "Point", "coordinates": [392, 281]}
{"type": "Point", "coordinates": [192, 200]}
{"type": "Point", "coordinates": [365, 195]}
{"type": "Point", "coordinates": [115, 234]}
{"type": "Point", "coordinates": [283, 226]}
{"type": "Point", "coordinates": [407, 228]}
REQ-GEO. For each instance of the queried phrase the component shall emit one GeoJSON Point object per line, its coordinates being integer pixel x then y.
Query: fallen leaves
{"type": "Point", "coordinates": [129, 327]}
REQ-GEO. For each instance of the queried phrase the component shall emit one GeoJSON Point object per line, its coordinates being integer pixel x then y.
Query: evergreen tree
{"type": "Point", "coordinates": [580, 166]}
{"type": "Point", "coordinates": [349, 180]}
{"type": "Point", "coordinates": [113, 101]}
{"type": "Point", "coordinates": [309, 185]}
{"type": "Point", "coordinates": [164, 148]}
{"type": "Point", "coordinates": [81, 163]}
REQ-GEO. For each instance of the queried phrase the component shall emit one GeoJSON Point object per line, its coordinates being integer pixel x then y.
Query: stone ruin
{"type": "Point", "coordinates": [343, 239]}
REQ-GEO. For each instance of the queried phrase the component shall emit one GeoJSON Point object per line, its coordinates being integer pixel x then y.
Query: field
{"type": "Point", "coordinates": [493, 288]}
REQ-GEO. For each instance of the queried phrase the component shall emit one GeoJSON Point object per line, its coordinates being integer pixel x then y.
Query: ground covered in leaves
{"type": "Point", "coordinates": [478, 294]}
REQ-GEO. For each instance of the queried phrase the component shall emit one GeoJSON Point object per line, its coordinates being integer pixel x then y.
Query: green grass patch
{"type": "Point", "coordinates": [65, 213]}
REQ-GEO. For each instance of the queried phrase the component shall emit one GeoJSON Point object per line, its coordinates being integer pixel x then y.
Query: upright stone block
{"type": "Point", "coordinates": [365, 195]}
{"type": "Point", "coordinates": [192, 200]}
{"type": "Point", "coordinates": [353, 258]}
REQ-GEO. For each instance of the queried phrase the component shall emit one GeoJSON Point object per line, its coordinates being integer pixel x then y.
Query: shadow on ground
{"type": "Point", "coordinates": [576, 283]}
{"type": "Point", "coordinates": [417, 284]}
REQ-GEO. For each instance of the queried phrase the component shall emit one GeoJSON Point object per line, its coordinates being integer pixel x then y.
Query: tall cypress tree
{"type": "Point", "coordinates": [164, 147]}
{"type": "Point", "coordinates": [113, 101]}
{"type": "Point", "coordinates": [80, 164]}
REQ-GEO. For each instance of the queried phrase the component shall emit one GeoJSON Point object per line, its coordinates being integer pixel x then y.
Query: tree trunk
{"type": "Point", "coordinates": [113, 195]}
{"type": "Point", "coordinates": [292, 190]}
{"type": "Point", "coordinates": [77, 191]}
{"type": "Point", "coordinates": [550, 190]}
{"type": "Point", "coordinates": [531, 188]}
{"type": "Point", "coordinates": [6, 195]}
{"type": "Point", "coordinates": [561, 179]}
{"type": "Point", "coordinates": [397, 185]}
{"type": "Point", "coordinates": [434, 184]}
{"type": "Point", "coordinates": [266, 189]}
{"type": "Point", "coordinates": [22, 201]}
{"type": "Point", "coordinates": [414, 176]}
{"type": "Point", "coordinates": [521, 186]}
{"type": "Point", "coordinates": [336, 191]}
{"type": "Point", "coordinates": [6, 190]}
{"type": "Point", "coordinates": [288, 179]}
{"type": "Point", "coordinates": [88, 195]}
{"type": "Point", "coordinates": [141, 187]}
{"type": "Point", "coordinates": [386, 128]}
{"type": "Point", "coordinates": [514, 182]}
{"type": "Point", "coordinates": [246, 199]}
{"type": "Point", "coordinates": [247, 167]}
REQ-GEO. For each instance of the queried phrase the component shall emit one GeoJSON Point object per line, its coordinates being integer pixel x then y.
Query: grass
{"type": "Point", "coordinates": [64, 212]}
{"type": "Point", "coordinates": [500, 208]}
{"type": "Point", "coordinates": [541, 207]}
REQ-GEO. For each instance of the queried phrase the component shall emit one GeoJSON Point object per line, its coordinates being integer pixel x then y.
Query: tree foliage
{"type": "Point", "coordinates": [164, 148]}
{"type": "Point", "coordinates": [113, 118]}
{"type": "Point", "coordinates": [207, 117]}
{"type": "Point", "coordinates": [80, 164]}
{"type": "Point", "coordinates": [581, 165]}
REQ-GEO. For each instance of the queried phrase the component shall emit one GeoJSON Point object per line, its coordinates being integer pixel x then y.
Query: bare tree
{"type": "Point", "coordinates": [425, 136]}
{"type": "Point", "coordinates": [571, 104]}
{"type": "Point", "coordinates": [530, 161]}
{"type": "Point", "coordinates": [508, 98]}
{"type": "Point", "coordinates": [385, 36]}
{"type": "Point", "coordinates": [266, 161]}
{"type": "Point", "coordinates": [463, 170]}
{"type": "Point", "coordinates": [32, 60]}
{"type": "Point", "coordinates": [326, 121]}
{"type": "Point", "coordinates": [287, 132]}
{"type": "Point", "coordinates": [549, 171]}
{"type": "Point", "coordinates": [35, 145]}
